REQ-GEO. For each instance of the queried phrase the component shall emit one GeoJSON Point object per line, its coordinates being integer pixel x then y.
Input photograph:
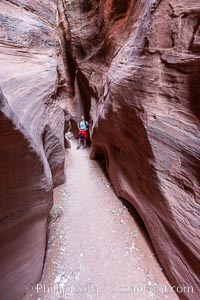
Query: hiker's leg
{"type": "Point", "coordinates": [79, 143]}
{"type": "Point", "coordinates": [84, 143]}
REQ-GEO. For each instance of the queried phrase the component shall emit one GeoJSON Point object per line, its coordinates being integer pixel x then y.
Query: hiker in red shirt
{"type": "Point", "coordinates": [83, 132]}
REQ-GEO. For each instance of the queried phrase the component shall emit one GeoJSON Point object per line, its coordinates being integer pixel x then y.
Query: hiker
{"type": "Point", "coordinates": [82, 132]}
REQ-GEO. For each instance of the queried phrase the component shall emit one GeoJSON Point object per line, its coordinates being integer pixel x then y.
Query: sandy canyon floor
{"type": "Point", "coordinates": [98, 247]}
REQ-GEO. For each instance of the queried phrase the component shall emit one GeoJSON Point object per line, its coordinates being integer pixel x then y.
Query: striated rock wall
{"type": "Point", "coordinates": [32, 100]}
{"type": "Point", "coordinates": [137, 68]}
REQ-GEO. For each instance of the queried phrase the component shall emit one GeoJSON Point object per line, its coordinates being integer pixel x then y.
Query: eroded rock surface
{"type": "Point", "coordinates": [32, 79]}
{"type": "Point", "coordinates": [137, 66]}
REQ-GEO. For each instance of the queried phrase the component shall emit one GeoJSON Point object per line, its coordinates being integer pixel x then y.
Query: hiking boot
{"type": "Point", "coordinates": [78, 147]}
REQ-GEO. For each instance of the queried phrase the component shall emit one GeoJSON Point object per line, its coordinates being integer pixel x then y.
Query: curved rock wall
{"type": "Point", "coordinates": [137, 75]}
{"type": "Point", "coordinates": [32, 79]}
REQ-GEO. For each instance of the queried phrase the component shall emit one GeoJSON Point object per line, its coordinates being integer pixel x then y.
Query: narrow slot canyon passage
{"type": "Point", "coordinates": [97, 246]}
{"type": "Point", "coordinates": [132, 69]}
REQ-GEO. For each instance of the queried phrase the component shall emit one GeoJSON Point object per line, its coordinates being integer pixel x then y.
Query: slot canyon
{"type": "Point", "coordinates": [132, 68]}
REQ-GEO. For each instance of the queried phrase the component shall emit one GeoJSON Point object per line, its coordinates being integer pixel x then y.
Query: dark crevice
{"type": "Point", "coordinates": [67, 51]}
{"type": "Point", "coordinates": [85, 93]}
{"type": "Point", "coordinates": [192, 46]}
{"type": "Point", "coordinates": [119, 8]}
{"type": "Point", "coordinates": [194, 91]}
{"type": "Point", "coordinates": [86, 6]}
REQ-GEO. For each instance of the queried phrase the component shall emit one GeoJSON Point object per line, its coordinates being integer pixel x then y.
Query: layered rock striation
{"type": "Point", "coordinates": [32, 100]}
{"type": "Point", "coordinates": [136, 75]}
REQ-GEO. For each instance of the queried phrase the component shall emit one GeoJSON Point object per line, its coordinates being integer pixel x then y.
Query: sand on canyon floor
{"type": "Point", "coordinates": [98, 247]}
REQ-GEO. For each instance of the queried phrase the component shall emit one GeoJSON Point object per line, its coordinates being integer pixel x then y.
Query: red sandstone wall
{"type": "Point", "coordinates": [32, 78]}
{"type": "Point", "coordinates": [137, 75]}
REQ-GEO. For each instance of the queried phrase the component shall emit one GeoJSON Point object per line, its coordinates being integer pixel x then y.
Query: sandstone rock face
{"type": "Point", "coordinates": [33, 85]}
{"type": "Point", "coordinates": [137, 68]}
